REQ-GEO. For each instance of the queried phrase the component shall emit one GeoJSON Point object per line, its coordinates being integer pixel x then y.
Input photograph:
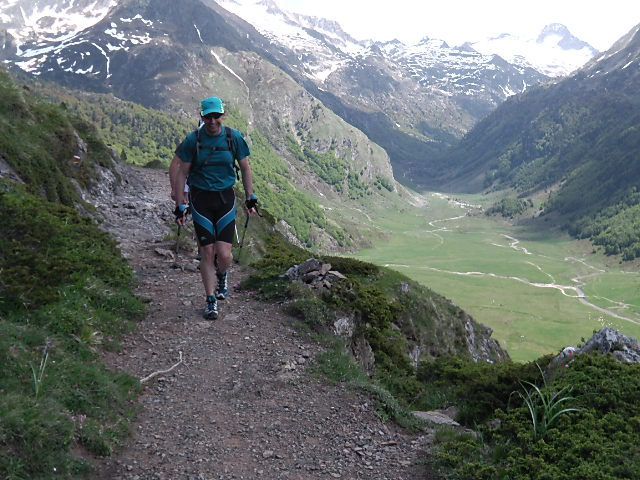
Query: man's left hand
{"type": "Point", "coordinates": [252, 204]}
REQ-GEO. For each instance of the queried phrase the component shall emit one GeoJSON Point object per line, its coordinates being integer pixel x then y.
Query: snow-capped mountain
{"type": "Point", "coordinates": [323, 48]}
{"type": "Point", "coordinates": [29, 20]}
{"type": "Point", "coordinates": [555, 52]}
{"type": "Point", "coordinates": [411, 99]}
{"type": "Point", "coordinates": [166, 55]}
{"type": "Point", "coordinates": [459, 72]}
{"type": "Point", "coordinates": [33, 29]}
{"type": "Point", "coordinates": [320, 45]}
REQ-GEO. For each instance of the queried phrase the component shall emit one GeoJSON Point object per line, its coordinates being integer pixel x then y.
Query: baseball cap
{"type": "Point", "coordinates": [211, 105]}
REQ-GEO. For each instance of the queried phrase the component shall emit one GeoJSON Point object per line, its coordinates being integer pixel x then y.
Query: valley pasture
{"type": "Point", "coordinates": [538, 291]}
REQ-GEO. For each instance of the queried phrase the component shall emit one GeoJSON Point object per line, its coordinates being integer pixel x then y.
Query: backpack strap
{"type": "Point", "coordinates": [230, 148]}
{"type": "Point", "coordinates": [196, 160]}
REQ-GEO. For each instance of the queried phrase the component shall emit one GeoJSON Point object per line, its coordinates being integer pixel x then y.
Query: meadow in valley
{"type": "Point", "coordinates": [538, 291]}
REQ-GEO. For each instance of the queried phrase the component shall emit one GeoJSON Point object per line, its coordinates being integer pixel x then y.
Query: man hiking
{"type": "Point", "coordinates": [207, 158]}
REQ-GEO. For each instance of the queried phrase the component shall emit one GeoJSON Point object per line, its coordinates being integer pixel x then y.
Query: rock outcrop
{"type": "Point", "coordinates": [606, 341]}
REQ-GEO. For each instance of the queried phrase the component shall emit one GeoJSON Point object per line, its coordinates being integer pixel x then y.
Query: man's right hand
{"type": "Point", "coordinates": [181, 213]}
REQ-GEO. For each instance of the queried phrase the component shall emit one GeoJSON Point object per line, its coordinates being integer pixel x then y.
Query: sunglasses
{"type": "Point", "coordinates": [214, 115]}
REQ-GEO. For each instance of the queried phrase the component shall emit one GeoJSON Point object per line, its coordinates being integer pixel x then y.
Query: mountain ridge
{"type": "Point", "coordinates": [556, 52]}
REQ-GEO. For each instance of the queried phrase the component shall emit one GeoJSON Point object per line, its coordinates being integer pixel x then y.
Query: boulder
{"type": "Point", "coordinates": [606, 341]}
{"type": "Point", "coordinates": [315, 274]}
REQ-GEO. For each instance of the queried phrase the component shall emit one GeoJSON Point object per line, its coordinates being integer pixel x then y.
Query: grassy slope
{"type": "Point", "coordinates": [65, 293]}
{"type": "Point", "coordinates": [578, 138]}
{"type": "Point", "coordinates": [596, 441]}
{"type": "Point", "coordinates": [393, 314]}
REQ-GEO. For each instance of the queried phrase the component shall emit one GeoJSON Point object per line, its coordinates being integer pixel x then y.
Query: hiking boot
{"type": "Point", "coordinates": [222, 291]}
{"type": "Point", "coordinates": [211, 309]}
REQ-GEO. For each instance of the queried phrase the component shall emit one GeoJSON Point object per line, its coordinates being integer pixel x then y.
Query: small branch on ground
{"type": "Point", "coordinates": [160, 372]}
{"type": "Point", "coordinates": [146, 339]}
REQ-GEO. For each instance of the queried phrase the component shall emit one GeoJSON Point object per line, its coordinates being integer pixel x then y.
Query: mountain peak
{"type": "Point", "coordinates": [555, 52]}
{"type": "Point", "coordinates": [558, 34]}
{"type": "Point", "coordinates": [433, 42]}
{"type": "Point", "coordinates": [270, 6]}
{"type": "Point", "coordinates": [554, 29]}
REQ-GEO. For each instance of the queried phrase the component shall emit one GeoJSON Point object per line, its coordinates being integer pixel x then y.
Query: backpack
{"type": "Point", "coordinates": [230, 148]}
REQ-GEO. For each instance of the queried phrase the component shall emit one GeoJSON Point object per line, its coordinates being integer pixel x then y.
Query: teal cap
{"type": "Point", "coordinates": [211, 105]}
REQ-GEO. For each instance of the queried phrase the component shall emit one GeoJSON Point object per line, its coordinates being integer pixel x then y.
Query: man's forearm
{"type": "Point", "coordinates": [178, 188]}
{"type": "Point", "coordinates": [247, 177]}
{"type": "Point", "coordinates": [181, 174]}
{"type": "Point", "coordinates": [174, 167]}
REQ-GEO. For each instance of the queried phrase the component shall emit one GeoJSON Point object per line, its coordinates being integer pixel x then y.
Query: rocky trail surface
{"type": "Point", "coordinates": [239, 401]}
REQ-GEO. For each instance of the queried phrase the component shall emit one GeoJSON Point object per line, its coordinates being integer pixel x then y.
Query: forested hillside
{"type": "Point", "coordinates": [140, 136]}
{"type": "Point", "coordinates": [578, 140]}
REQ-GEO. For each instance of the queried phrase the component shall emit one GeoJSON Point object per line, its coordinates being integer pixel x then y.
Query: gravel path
{"type": "Point", "coordinates": [242, 404]}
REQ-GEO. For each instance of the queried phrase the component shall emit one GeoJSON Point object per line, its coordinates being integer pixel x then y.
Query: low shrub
{"type": "Point", "coordinates": [598, 441]}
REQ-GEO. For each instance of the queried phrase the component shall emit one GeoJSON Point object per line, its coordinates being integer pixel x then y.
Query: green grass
{"type": "Point", "coordinates": [476, 265]}
{"type": "Point", "coordinates": [65, 293]}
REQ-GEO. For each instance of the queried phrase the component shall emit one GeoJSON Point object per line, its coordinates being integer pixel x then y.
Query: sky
{"type": "Point", "coordinates": [599, 23]}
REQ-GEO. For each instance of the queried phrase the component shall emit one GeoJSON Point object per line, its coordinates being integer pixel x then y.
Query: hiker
{"type": "Point", "coordinates": [207, 158]}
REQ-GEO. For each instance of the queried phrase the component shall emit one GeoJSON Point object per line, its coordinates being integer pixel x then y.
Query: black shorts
{"type": "Point", "coordinates": [214, 215]}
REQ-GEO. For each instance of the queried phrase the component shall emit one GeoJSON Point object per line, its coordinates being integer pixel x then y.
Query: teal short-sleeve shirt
{"type": "Point", "coordinates": [213, 169]}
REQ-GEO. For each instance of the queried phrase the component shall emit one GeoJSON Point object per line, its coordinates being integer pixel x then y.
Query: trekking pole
{"type": "Point", "coordinates": [244, 232]}
{"type": "Point", "coordinates": [180, 213]}
{"type": "Point", "coordinates": [178, 240]}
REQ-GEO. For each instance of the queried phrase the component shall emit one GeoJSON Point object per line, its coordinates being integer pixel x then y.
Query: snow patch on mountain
{"type": "Point", "coordinates": [129, 37]}
{"type": "Point", "coordinates": [555, 52]}
{"type": "Point", "coordinates": [321, 46]}
{"type": "Point", "coordinates": [227, 67]}
{"type": "Point", "coordinates": [53, 22]}
{"type": "Point", "coordinates": [148, 23]}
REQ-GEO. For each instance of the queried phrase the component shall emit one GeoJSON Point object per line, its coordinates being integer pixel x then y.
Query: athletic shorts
{"type": "Point", "coordinates": [214, 215]}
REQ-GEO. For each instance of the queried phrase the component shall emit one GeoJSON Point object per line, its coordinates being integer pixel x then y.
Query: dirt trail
{"type": "Point", "coordinates": [242, 405]}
